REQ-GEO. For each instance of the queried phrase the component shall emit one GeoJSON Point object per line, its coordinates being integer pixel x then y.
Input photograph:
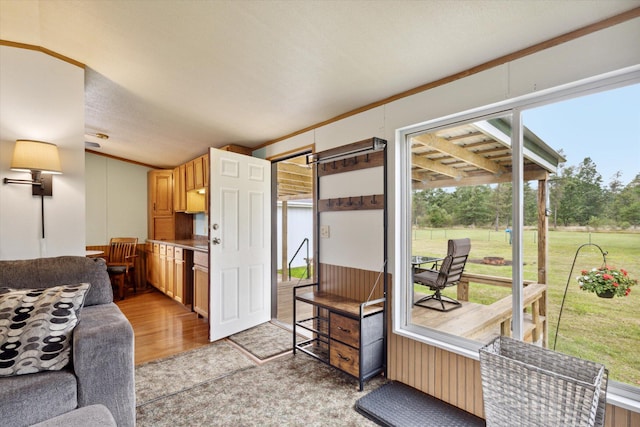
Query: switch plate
{"type": "Point", "coordinates": [324, 231]}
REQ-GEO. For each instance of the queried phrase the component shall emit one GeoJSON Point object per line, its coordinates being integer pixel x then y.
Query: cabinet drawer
{"type": "Point", "coordinates": [344, 329]}
{"type": "Point", "coordinates": [163, 249]}
{"type": "Point", "coordinates": [178, 254]}
{"type": "Point", "coordinates": [201, 258]}
{"type": "Point", "coordinates": [344, 358]}
{"type": "Point", "coordinates": [170, 250]}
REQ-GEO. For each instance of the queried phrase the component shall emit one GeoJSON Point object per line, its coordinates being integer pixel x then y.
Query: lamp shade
{"type": "Point", "coordinates": [36, 156]}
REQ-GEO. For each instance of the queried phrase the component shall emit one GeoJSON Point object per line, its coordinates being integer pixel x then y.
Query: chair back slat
{"type": "Point", "coordinates": [122, 249]}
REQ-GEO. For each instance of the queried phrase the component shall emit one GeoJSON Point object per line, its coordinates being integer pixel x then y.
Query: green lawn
{"type": "Point", "coordinates": [604, 330]}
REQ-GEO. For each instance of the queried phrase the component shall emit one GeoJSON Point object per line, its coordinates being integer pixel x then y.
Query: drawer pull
{"type": "Point", "coordinates": [348, 331]}
{"type": "Point", "coordinates": [346, 359]}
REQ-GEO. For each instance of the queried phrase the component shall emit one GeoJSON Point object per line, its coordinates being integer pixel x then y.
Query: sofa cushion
{"type": "Point", "coordinates": [29, 399]}
{"type": "Point", "coordinates": [47, 272]}
{"type": "Point", "coordinates": [36, 327]}
{"type": "Point", "coordinates": [94, 416]}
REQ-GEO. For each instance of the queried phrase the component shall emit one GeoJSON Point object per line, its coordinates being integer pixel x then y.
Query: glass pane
{"type": "Point", "coordinates": [594, 202]}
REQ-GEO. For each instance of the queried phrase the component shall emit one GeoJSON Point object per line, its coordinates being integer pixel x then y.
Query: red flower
{"type": "Point", "coordinates": [615, 285]}
{"type": "Point", "coordinates": [607, 276]}
{"type": "Point", "coordinates": [627, 292]}
{"type": "Point", "coordinates": [624, 272]}
{"type": "Point", "coordinates": [584, 272]}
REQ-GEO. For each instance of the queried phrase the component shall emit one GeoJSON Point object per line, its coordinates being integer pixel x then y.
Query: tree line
{"type": "Point", "coordinates": [577, 196]}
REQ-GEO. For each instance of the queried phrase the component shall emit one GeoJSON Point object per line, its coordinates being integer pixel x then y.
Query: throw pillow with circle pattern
{"type": "Point", "coordinates": [36, 327]}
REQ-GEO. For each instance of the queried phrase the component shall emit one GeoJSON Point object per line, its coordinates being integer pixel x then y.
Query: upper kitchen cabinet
{"type": "Point", "coordinates": [179, 189]}
{"type": "Point", "coordinates": [164, 223]}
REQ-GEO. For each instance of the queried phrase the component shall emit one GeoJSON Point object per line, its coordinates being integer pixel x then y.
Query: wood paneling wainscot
{"type": "Point", "coordinates": [455, 378]}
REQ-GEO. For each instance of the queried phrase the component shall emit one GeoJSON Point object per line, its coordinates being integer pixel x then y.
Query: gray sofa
{"type": "Point", "coordinates": [102, 367]}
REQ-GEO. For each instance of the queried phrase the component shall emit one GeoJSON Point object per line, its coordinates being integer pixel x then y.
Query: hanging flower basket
{"type": "Point", "coordinates": [606, 282]}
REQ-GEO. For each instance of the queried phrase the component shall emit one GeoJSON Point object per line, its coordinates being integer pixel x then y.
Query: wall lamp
{"type": "Point", "coordinates": [41, 159]}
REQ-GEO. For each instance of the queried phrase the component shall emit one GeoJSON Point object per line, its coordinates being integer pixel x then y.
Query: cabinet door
{"type": "Point", "coordinates": [178, 291]}
{"type": "Point", "coordinates": [170, 280]}
{"type": "Point", "coordinates": [189, 176]}
{"type": "Point", "coordinates": [198, 172]}
{"type": "Point", "coordinates": [162, 192]}
{"type": "Point", "coordinates": [162, 279]}
{"type": "Point", "coordinates": [155, 266]}
{"type": "Point", "coordinates": [179, 189]}
{"type": "Point", "coordinates": [205, 168]}
{"type": "Point", "coordinates": [201, 290]}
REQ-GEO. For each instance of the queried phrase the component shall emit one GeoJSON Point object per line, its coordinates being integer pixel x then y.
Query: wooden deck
{"type": "Point", "coordinates": [484, 322]}
{"type": "Point", "coordinates": [285, 301]}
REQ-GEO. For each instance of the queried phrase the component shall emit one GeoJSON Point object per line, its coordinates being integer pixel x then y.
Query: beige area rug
{"type": "Point", "coordinates": [161, 378]}
{"type": "Point", "coordinates": [292, 390]}
{"type": "Point", "coordinates": [265, 340]}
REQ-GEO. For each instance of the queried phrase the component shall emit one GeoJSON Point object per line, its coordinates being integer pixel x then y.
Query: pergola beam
{"type": "Point", "coordinates": [531, 173]}
{"type": "Point", "coordinates": [427, 164]}
{"type": "Point", "coordinates": [442, 145]}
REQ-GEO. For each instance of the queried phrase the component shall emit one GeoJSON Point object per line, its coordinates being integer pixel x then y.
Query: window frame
{"type": "Point", "coordinates": [620, 394]}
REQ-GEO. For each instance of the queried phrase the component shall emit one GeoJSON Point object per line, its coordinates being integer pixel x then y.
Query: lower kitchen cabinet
{"type": "Point", "coordinates": [201, 283]}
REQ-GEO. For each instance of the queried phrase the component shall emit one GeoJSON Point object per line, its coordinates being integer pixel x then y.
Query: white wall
{"type": "Point", "coordinates": [300, 226]}
{"type": "Point", "coordinates": [116, 199]}
{"type": "Point", "coordinates": [42, 98]}
{"type": "Point", "coordinates": [600, 52]}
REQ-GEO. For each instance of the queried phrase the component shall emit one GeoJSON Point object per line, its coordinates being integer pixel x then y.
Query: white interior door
{"type": "Point", "coordinates": [240, 243]}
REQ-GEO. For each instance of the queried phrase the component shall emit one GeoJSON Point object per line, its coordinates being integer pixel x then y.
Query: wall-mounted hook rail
{"type": "Point", "coordinates": [370, 202]}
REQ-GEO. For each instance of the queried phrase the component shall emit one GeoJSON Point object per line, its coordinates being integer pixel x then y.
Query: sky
{"type": "Point", "coordinates": [604, 126]}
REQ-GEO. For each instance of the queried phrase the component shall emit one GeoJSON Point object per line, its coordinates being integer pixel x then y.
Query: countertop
{"type": "Point", "coordinates": [201, 245]}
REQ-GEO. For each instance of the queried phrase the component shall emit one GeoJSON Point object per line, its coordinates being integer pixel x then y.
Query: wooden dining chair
{"type": "Point", "coordinates": [120, 259]}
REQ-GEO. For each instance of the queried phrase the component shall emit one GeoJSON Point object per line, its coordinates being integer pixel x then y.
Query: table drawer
{"type": "Point", "coordinates": [344, 329]}
{"type": "Point", "coordinates": [344, 358]}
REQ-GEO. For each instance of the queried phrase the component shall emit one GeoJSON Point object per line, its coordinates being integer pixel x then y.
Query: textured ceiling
{"type": "Point", "coordinates": [167, 79]}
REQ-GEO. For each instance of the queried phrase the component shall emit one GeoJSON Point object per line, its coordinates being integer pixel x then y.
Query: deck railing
{"type": "Point", "coordinates": [500, 312]}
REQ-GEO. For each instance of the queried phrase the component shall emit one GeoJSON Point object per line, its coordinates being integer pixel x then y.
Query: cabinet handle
{"type": "Point", "coordinates": [348, 331]}
{"type": "Point", "coordinates": [346, 359]}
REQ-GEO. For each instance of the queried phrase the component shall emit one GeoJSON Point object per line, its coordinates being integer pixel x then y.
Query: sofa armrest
{"type": "Point", "coordinates": [103, 361]}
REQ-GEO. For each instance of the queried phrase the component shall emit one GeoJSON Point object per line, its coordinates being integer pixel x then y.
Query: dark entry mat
{"type": "Point", "coordinates": [396, 404]}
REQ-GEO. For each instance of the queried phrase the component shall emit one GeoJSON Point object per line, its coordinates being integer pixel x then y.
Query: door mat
{"type": "Point", "coordinates": [265, 340]}
{"type": "Point", "coordinates": [396, 404]}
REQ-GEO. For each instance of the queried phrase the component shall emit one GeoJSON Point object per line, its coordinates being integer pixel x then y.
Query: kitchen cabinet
{"type": "Point", "coordinates": [198, 172]}
{"type": "Point", "coordinates": [162, 267]}
{"type": "Point", "coordinates": [179, 189]}
{"type": "Point", "coordinates": [161, 223]}
{"type": "Point", "coordinates": [167, 267]}
{"type": "Point", "coordinates": [169, 271]}
{"type": "Point", "coordinates": [201, 283]}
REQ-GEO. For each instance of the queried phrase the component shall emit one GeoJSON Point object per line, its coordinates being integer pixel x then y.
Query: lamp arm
{"type": "Point", "coordinates": [21, 181]}
{"type": "Point", "coordinates": [604, 261]}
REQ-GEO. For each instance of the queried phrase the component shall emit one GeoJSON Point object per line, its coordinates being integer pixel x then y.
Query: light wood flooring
{"type": "Point", "coordinates": [162, 327]}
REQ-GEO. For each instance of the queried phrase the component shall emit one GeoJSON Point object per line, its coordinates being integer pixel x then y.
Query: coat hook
{"type": "Point", "coordinates": [334, 164]}
{"type": "Point", "coordinates": [366, 159]}
{"type": "Point", "coordinates": [339, 201]}
{"type": "Point", "coordinates": [361, 200]}
{"type": "Point", "coordinates": [350, 202]}
{"type": "Point", "coordinates": [329, 203]}
{"type": "Point", "coordinates": [373, 200]}
{"type": "Point", "coordinates": [344, 163]}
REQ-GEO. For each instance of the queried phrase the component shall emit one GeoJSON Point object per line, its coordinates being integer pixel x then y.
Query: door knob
{"type": "Point", "coordinates": [215, 241]}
